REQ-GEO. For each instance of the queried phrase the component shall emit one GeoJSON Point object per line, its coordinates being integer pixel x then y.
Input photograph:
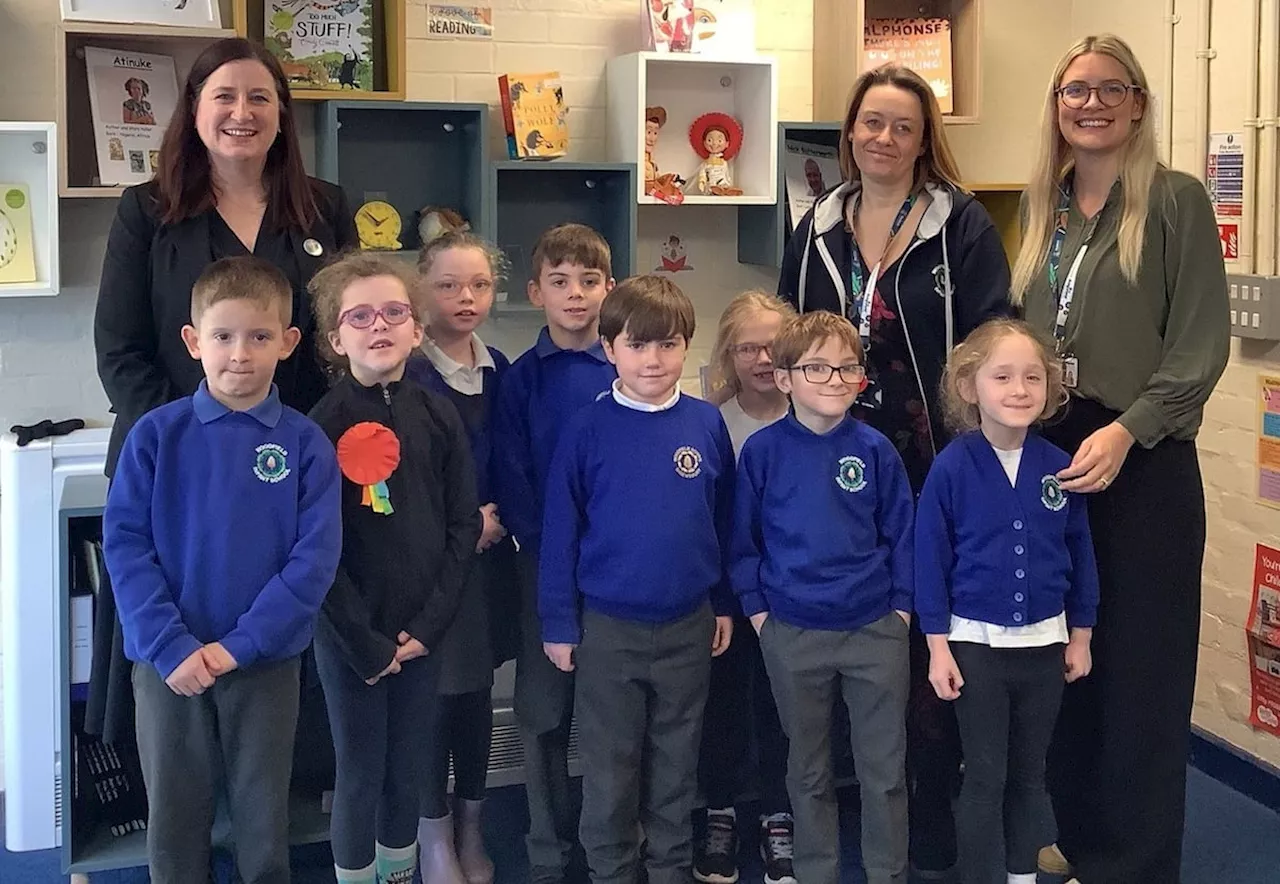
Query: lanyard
{"type": "Point", "coordinates": [862, 293]}
{"type": "Point", "coordinates": [1065, 292]}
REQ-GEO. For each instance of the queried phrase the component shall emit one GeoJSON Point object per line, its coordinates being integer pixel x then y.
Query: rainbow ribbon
{"type": "Point", "coordinates": [377, 497]}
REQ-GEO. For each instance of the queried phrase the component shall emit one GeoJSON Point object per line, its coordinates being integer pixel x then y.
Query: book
{"type": "Point", "coordinates": [669, 25]}
{"type": "Point", "coordinates": [322, 44]}
{"type": "Point", "coordinates": [811, 170]}
{"type": "Point", "coordinates": [534, 112]}
{"type": "Point", "coordinates": [17, 243]}
{"type": "Point", "coordinates": [724, 28]}
{"type": "Point", "coordinates": [132, 95]}
{"type": "Point", "coordinates": [922, 44]}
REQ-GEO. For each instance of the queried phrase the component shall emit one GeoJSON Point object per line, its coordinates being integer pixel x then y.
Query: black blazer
{"type": "Point", "coordinates": [144, 299]}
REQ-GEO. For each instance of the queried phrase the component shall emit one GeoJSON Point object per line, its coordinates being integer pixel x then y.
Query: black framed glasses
{"type": "Point", "coordinates": [820, 372]}
{"type": "Point", "coordinates": [363, 316]}
{"type": "Point", "coordinates": [1111, 93]}
{"type": "Point", "coordinates": [751, 352]}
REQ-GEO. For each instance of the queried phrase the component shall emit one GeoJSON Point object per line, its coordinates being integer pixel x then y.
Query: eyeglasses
{"type": "Point", "coordinates": [751, 352]}
{"type": "Point", "coordinates": [820, 372]}
{"type": "Point", "coordinates": [362, 316]}
{"type": "Point", "coordinates": [1111, 93]}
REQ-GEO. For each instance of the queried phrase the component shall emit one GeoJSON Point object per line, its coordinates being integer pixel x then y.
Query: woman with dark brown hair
{"type": "Point", "coordinates": [230, 182]}
{"type": "Point", "coordinates": [914, 261]}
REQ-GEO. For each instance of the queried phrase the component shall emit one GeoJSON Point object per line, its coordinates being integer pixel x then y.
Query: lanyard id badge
{"type": "Point", "coordinates": [862, 292]}
{"type": "Point", "coordinates": [1066, 291]}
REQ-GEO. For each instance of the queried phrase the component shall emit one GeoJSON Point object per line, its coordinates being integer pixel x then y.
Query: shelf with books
{"type": "Point", "coordinates": [950, 52]}
{"type": "Point", "coordinates": [763, 231]}
{"type": "Point", "coordinates": [28, 210]}
{"type": "Point", "coordinates": [525, 198]}
{"type": "Point", "coordinates": [387, 73]}
{"type": "Point", "coordinates": [686, 86]}
{"type": "Point", "coordinates": [78, 169]}
{"type": "Point", "coordinates": [409, 154]}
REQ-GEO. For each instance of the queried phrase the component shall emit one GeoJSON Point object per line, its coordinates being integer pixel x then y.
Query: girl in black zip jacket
{"type": "Point", "coordinates": [943, 273]}
{"type": "Point", "coordinates": [410, 524]}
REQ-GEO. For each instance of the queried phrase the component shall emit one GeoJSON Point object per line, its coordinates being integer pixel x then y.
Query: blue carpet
{"type": "Point", "coordinates": [1230, 838]}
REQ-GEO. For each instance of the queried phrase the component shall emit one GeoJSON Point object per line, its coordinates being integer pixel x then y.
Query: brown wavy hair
{"type": "Point", "coordinates": [970, 354]}
{"type": "Point", "coordinates": [183, 183]}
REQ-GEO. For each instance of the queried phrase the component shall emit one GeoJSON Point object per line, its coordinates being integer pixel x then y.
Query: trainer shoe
{"type": "Point", "coordinates": [716, 858]}
{"type": "Point", "coordinates": [777, 847]}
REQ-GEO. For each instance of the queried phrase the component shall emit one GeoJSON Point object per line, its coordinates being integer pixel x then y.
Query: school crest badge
{"type": "Point", "coordinates": [851, 474]}
{"type": "Point", "coordinates": [271, 463]}
{"type": "Point", "coordinates": [1051, 493]}
{"type": "Point", "coordinates": [688, 462]}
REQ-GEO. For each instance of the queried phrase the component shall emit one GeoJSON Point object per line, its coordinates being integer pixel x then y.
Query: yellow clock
{"type": "Point", "coordinates": [378, 225]}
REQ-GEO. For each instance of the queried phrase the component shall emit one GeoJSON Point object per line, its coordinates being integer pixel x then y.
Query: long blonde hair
{"type": "Point", "coordinates": [739, 312]}
{"type": "Point", "coordinates": [937, 163]}
{"type": "Point", "coordinates": [1138, 167]}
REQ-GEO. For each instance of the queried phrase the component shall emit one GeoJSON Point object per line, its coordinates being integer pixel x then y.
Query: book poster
{"type": "Point", "coordinates": [922, 44]}
{"type": "Point", "coordinates": [724, 28]}
{"type": "Point", "coordinates": [1263, 632]}
{"type": "Point", "coordinates": [811, 170]}
{"type": "Point", "coordinates": [538, 125]}
{"type": "Point", "coordinates": [132, 95]}
{"type": "Point", "coordinates": [322, 44]}
{"type": "Point", "coordinates": [1269, 440]}
{"type": "Point", "coordinates": [669, 25]}
{"type": "Point", "coordinates": [465, 22]}
{"type": "Point", "coordinates": [17, 246]}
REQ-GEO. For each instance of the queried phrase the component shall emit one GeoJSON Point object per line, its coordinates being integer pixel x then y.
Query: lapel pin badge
{"type": "Point", "coordinates": [312, 247]}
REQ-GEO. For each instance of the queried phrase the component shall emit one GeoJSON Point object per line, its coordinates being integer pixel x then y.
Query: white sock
{"type": "Point", "coordinates": [726, 810]}
{"type": "Point", "coordinates": [1028, 878]}
{"type": "Point", "coordinates": [367, 875]}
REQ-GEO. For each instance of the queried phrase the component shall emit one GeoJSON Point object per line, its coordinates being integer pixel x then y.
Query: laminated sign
{"type": "Point", "coordinates": [1263, 632]}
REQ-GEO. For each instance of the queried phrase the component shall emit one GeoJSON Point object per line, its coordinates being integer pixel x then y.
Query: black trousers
{"type": "Point", "coordinates": [237, 736]}
{"type": "Point", "coordinates": [741, 715]}
{"type": "Point", "coordinates": [379, 737]}
{"type": "Point", "coordinates": [1006, 712]}
{"type": "Point", "coordinates": [933, 765]}
{"type": "Point", "coordinates": [461, 730]}
{"type": "Point", "coordinates": [1118, 764]}
{"type": "Point", "coordinates": [641, 694]}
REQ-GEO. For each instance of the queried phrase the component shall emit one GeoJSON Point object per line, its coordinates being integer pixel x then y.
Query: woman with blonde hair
{"type": "Point", "coordinates": [914, 261]}
{"type": "Point", "coordinates": [1120, 263]}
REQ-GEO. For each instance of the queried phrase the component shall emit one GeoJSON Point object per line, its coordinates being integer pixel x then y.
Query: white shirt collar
{"type": "Point", "coordinates": [636, 405]}
{"type": "Point", "coordinates": [447, 365]}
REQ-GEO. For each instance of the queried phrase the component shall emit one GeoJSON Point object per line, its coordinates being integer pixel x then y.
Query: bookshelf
{"type": "Point", "coordinates": [389, 20]}
{"type": "Point", "coordinates": [837, 50]}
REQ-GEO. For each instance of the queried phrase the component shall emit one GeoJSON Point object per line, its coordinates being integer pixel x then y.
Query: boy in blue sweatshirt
{"type": "Point", "coordinates": [221, 534]}
{"type": "Point", "coordinates": [822, 563]}
{"type": "Point", "coordinates": [639, 506]}
{"type": "Point", "coordinates": [565, 370]}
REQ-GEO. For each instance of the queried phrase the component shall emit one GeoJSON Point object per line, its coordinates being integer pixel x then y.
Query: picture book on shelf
{"type": "Point", "coordinates": [724, 28]}
{"type": "Point", "coordinates": [533, 112]}
{"type": "Point", "coordinates": [322, 44]}
{"type": "Point", "coordinates": [17, 250]}
{"type": "Point", "coordinates": [922, 44]}
{"type": "Point", "coordinates": [132, 95]}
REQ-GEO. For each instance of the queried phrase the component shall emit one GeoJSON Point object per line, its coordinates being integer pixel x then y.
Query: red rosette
{"type": "Point", "coordinates": [717, 120]}
{"type": "Point", "coordinates": [368, 453]}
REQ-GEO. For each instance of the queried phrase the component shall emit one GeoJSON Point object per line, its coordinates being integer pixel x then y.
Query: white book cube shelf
{"type": "Point", "coordinates": [688, 86]}
{"type": "Point", "coordinates": [28, 156]}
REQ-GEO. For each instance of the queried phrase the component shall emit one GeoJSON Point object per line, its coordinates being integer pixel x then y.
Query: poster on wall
{"type": "Point", "coordinates": [922, 44]}
{"type": "Point", "coordinates": [811, 169]}
{"type": "Point", "coordinates": [1269, 439]}
{"type": "Point", "coordinates": [1263, 632]}
{"type": "Point", "coordinates": [131, 96]}
{"type": "Point", "coordinates": [1225, 174]}
{"type": "Point", "coordinates": [460, 22]}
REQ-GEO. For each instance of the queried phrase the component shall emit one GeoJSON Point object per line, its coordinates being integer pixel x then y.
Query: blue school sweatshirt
{"type": "Point", "coordinates": [1009, 555]}
{"type": "Point", "coordinates": [541, 391]}
{"type": "Point", "coordinates": [639, 509]}
{"type": "Point", "coordinates": [221, 526]}
{"type": "Point", "coordinates": [822, 526]}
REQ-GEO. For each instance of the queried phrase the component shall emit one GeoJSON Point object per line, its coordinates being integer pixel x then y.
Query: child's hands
{"type": "Point", "coordinates": [1079, 656]}
{"type": "Point", "coordinates": [493, 530]}
{"type": "Point", "coordinates": [218, 660]}
{"type": "Point", "coordinates": [724, 634]}
{"type": "Point", "coordinates": [192, 677]}
{"type": "Point", "coordinates": [409, 649]}
{"type": "Point", "coordinates": [944, 674]}
{"type": "Point", "coordinates": [559, 654]}
{"type": "Point", "coordinates": [393, 668]}
{"type": "Point", "coordinates": [757, 621]}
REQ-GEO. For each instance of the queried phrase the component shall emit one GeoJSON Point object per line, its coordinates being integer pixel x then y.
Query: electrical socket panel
{"type": "Point", "coordinates": [1255, 306]}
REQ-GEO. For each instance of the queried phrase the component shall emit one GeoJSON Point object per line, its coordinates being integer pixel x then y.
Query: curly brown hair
{"type": "Point", "coordinates": [327, 287]}
{"type": "Point", "coordinates": [971, 354]}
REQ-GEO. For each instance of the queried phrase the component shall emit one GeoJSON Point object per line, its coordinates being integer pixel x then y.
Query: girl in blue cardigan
{"type": "Point", "coordinates": [1006, 591]}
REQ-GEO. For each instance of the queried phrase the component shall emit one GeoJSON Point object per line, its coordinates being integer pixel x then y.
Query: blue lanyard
{"type": "Point", "coordinates": [1064, 290]}
{"type": "Point", "coordinates": [861, 286]}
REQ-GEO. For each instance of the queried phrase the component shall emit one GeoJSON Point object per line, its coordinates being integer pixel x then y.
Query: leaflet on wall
{"type": "Point", "coordinates": [1263, 632]}
{"type": "Point", "coordinates": [1269, 440]}
{"type": "Point", "coordinates": [811, 170]}
{"type": "Point", "coordinates": [132, 95]}
{"type": "Point", "coordinates": [1224, 173]}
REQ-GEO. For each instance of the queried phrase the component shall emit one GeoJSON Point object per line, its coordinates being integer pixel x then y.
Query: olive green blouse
{"type": "Point", "coordinates": [1152, 351]}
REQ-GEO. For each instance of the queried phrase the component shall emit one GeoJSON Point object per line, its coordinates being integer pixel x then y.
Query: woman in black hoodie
{"type": "Point", "coordinates": [915, 262]}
